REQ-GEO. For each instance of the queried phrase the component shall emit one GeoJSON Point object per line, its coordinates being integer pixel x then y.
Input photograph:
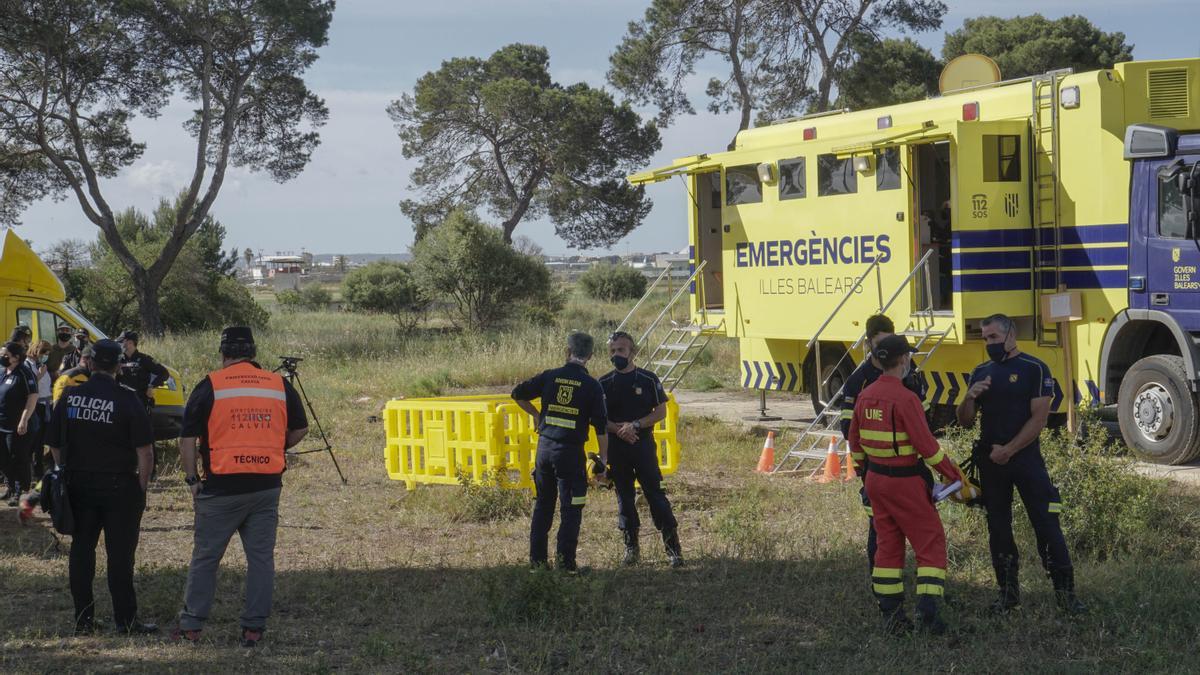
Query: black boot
{"type": "Point", "coordinates": [1063, 579]}
{"type": "Point", "coordinates": [632, 550]}
{"type": "Point", "coordinates": [927, 616]}
{"type": "Point", "coordinates": [1009, 585]}
{"type": "Point", "coordinates": [671, 544]}
{"type": "Point", "coordinates": [895, 621]}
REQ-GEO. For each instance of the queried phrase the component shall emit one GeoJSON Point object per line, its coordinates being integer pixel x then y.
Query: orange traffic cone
{"type": "Point", "coordinates": [833, 464]}
{"type": "Point", "coordinates": [766, 461]}
{"type": "Point", "coordinates": [850, 474]}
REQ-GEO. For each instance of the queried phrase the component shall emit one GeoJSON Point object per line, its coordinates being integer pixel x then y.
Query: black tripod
{"type": "Point", "coordinates": [288, 368]}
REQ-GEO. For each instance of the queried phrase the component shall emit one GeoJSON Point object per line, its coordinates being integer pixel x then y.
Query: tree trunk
{"type": "Point", "coordinates": [148, 309]}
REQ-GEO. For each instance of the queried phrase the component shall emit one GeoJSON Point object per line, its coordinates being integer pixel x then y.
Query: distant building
{"type": "Point", "coordinates": [281, 272]}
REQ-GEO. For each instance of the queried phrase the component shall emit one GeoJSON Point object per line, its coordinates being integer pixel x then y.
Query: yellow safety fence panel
{"type": "Point", "coordinates": [432, 440]}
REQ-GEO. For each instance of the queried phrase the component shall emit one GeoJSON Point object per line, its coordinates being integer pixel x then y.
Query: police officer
{"type": "Point", "coordinates": [571, 401]}
{"type": "Point", "coordinates": [1012, 392]}
{"type": "Point", "coordinates": [636, 402]}
{"type": "Point", "coordinates": [889, 437]}
{"type": "Point", "coordinates": [879, 327]}
{"type": "Point", "coordinates": [101, 435]}
{"type": "Point", "coordinates": [140, 372]}
{"type": "Point", "coordinates": [243, 418]}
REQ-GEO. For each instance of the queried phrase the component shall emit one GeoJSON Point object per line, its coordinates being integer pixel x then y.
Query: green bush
{"type": "Point", "coordinates": [310, 298]}
{"type": "Point", "coordinates": [612, 283]}
{"type": "Point", "coordinates": [1109, 509]}
{"type": "Point", "coordinates": [466, 264]}
{"type": "Point", "coordinates": [388, 288]}
{"type": "Point", "coordinates": [489, 500]}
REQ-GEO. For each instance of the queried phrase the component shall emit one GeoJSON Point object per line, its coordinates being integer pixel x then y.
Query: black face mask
{"type": "Point", "coordinates": [620, 362]}
{"type": "Point", "coordinates": [5, 361]}
{"type": "Point", "coordinates": [996, 351]}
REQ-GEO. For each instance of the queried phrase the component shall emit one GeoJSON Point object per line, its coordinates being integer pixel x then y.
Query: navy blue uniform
{"type": "Point", "coordinates": [1004, 409]}
{"type": "Point", "coordinates": [97, 427]}
{"type": "Point", "coordinates": [863, 377]}
{"type": "Point", "coordinates": [15, 449]}
{"type": "Point", "coordinates": [632, 396]}
{"type": "Point", "coordinates": [571, 401]}
{"type": "Point", "coordinates": [141, 372]}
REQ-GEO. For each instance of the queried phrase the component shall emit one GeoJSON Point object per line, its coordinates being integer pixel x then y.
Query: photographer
{"type": "Point", "coordinates": [243, 469]}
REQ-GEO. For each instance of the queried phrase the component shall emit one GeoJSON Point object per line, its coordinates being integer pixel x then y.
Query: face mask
{"type": "Point", "coordinates": [44, 358]}
{"type": "Point", "coordinates": [5, 361]}
{"type": "Point", "coordinates": [620, 362]}
{"type": "Point", "coordinates": [997, 351]}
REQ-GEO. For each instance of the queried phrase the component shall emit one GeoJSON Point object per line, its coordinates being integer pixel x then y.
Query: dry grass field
{"type": "Point", "coordinates": [373, 578]}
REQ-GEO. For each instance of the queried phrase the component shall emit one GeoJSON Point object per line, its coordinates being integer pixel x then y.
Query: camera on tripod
{"type": "Point", "coordinates": [289, 364]}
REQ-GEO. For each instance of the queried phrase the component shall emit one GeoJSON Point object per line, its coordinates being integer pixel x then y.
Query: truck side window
{"type": "Point", "coordinates": [742, 185]}
{"type": "Point", "coordinates": [792, 182]}
{"type": "Point", "coordinates": [1172, 216]}
{"type": "Point", "coordinates": [887, 169]}
{"type": "Point", "coordinates": [835, 176]}
{"type": "Point", "coordinates": [24, 317]}
{"type": "Point", "coordinates": [1001, 159]}
{"type": "Point", "coordinates": [47, 325]}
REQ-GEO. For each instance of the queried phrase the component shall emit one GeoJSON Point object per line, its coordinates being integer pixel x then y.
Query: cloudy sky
{"type": "Point", "coordinates": [346, 200]}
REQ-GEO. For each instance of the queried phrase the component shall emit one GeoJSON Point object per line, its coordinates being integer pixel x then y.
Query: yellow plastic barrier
{"type": "Point", "coordinates": [431, 440]}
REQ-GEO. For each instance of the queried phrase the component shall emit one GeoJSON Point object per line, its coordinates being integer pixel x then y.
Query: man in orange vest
{"type": "Point", "coordinates": [889, 437]}
{"type": "Point", "coordinates": [242, 418]}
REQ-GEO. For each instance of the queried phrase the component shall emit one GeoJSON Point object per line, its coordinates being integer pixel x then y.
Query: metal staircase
{"type": "Point", "coordinates": [812, 443]}
{"type": "Point", "coordinates": [1047, 263]}
{"type": "Point", "coordinates": [682, 343]}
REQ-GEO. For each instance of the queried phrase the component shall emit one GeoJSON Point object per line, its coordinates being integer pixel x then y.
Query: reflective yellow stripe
{"type": "Point", "coordinates": [578, 501]}
{"type": "Point", "coordinates": [847, 414]}
{"type": "Point", "coordinates": [858, 455]}
{"type": "Point", "coordinates": [935, 572]}
{"type": "Point", "coordinates": [903, 450]}
{"type": "Point", "coordinates": [930, 589]}
{"type": "Point", "coordinates": [1055, 507]}
{"type": "Point", "coordinates": [560, 422]}
{"type": "Point", "coordinates": [937, 458]}
{"type": "Point", "coordinates": [886, 572]}
{"type": "Point", "coordinates": [882, 435]}
{"type": "Point", "coordinates": [889, 589]}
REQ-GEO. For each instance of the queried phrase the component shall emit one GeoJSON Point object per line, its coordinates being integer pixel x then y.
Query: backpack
{"type": "Point", "coordinates": [56, 502]}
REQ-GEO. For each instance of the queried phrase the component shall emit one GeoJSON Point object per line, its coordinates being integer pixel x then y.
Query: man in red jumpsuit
{"type": "Point", "coordinates": [890, 436]}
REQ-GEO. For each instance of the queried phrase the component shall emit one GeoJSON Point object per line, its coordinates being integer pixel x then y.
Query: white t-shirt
{"type": "Point", "coordinates": [45, 386]}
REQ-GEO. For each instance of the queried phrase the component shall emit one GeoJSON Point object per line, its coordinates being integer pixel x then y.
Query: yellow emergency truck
{"type": "Point", "coordinates": [32, 295]}
{"type": "Point", "coordinates": [1068, 201]}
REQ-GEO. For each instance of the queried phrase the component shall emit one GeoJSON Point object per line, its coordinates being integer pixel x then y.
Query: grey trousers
{"type": "Point", "coordinates": [254, 516]}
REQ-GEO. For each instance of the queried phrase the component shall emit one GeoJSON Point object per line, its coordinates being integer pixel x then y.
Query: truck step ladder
{"type": "Point", "coordinates": [1044, 197]}
{"type": "Point", "coordinates": [811, 444]}
{"type": "Point", "coordinates": [681, 343]}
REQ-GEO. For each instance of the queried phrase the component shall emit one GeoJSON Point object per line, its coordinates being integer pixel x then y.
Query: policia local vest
{"type": "Point", "coordinates": [247, 428]}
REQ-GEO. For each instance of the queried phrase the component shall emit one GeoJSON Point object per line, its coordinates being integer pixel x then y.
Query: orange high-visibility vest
{"type": "Point", "coordinates": [247, 428]}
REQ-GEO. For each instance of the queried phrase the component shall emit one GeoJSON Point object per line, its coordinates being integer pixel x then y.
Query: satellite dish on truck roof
{"type": "Point", "coordinates": [968, 70]}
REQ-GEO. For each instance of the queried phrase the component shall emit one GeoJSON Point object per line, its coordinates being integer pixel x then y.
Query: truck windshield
{"type": "Point", "coordinates": [78, 316]}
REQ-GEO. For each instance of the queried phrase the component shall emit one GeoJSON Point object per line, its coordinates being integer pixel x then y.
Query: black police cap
{"type": "Point", "coordinates": [237, 335]}
{"type": "Point", "coordinates": [892, 345]}
{"type": "Point", "coordinates": [106, 353]}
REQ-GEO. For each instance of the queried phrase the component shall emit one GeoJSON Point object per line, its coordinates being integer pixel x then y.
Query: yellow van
{"type": "Point", "coordinates": [33, 295]}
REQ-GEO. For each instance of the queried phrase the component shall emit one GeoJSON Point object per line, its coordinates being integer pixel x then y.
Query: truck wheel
{"type": "Point", "coordinates": [837, 369]}
{"type": "Point", "coordinates": [1157, 411]}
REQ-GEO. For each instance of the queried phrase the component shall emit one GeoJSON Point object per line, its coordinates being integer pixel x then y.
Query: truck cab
{"type": "Point", "coordinates": [32, 295]}
{"type": "Point", "coordinates": [1151, 360]}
